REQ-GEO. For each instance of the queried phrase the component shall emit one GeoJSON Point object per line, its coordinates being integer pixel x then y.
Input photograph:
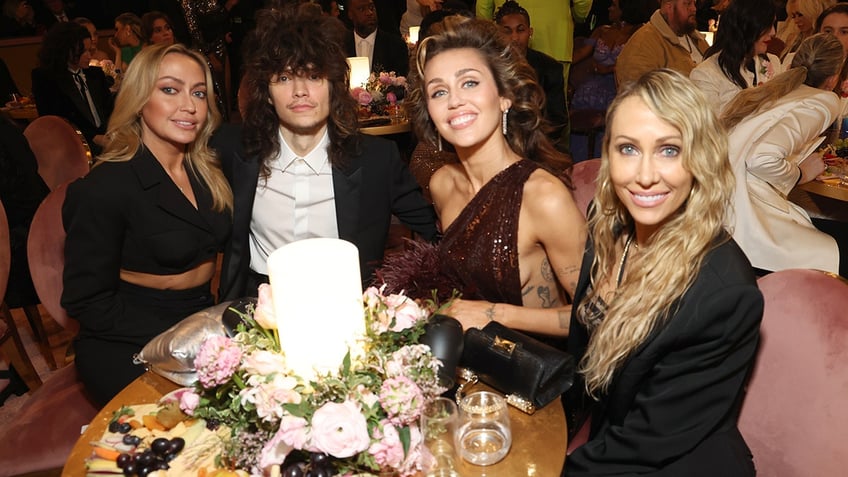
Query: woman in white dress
{"type": "Point", "coordinates": [773, 131]}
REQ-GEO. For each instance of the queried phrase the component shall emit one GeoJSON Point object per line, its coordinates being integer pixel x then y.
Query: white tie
{"type": "Point", "coordinates": [80, 80]}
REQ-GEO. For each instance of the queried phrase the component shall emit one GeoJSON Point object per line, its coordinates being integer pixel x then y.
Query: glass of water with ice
{"type": "Point", "coordinates": [484, 435]}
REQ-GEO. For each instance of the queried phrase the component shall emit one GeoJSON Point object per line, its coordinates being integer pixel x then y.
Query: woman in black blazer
{"type": "Point", "coordinates": [667, 310]}
{"type": "Point", "coordinates": [145, 226]}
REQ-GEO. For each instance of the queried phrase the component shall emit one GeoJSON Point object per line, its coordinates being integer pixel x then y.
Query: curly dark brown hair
{"type": "Point", "coordinates": [288, 38]}
{"type": "Point", "coordinates": [515, 79]}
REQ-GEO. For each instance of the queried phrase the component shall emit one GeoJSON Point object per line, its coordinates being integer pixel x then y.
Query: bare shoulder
{"type": "Point", "coordinates": [545, 193]}
{"type": "Point", "coordinates": [443, 182]}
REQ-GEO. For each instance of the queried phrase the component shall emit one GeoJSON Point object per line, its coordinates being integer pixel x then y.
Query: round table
{"type": "Point", "coordinates": [538, 440]}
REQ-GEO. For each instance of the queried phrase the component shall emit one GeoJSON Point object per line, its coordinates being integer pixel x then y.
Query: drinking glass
{"type": "Point", "coordinates": [484, 434]}
{"type": "Point", "coordinates": [438, 424]}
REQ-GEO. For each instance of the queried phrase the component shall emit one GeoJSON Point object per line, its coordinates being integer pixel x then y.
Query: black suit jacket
{"type": "Point", "coordinates": [549, 74]}
{"type": "Point", "coordinates": [131, 215]}
{"type": "Point", "coordinates": [371, 187]}
{"type": "Point", "coordinates": [56, 93]}
{"type": "Point", "coordinates": [390, 52]}
{"type": "Point", "coordinates": [671, 409]}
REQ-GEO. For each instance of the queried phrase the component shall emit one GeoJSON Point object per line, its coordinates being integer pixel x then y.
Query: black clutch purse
{"type": "Point", "coordinates": [530, 373]}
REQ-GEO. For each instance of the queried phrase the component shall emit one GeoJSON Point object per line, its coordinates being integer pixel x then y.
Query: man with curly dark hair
{"type": "Point", "coordinates": [298, 166]}
{"type": "Point", "coordinates": [64, 85]}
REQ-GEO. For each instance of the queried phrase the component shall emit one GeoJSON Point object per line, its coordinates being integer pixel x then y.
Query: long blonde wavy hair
{"type": "Point", "coordinates": [819, 57]}
{"type": "Point", "coordinates": [124, 130]}
{"type": "Point", "coordinates": [658, 277]}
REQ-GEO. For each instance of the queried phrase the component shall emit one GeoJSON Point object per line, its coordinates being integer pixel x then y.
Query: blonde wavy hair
{"type": "Point", "coordinates": [819, 57]}
{"type": "Point", "coordinates": [658, 277]}
{"type": "Point", "coordinates": [124, 130]}
{"type": "Point", "coordinates": [810, 9]}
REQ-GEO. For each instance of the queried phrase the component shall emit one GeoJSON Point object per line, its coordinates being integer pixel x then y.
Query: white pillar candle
{"type": "Point", "coordinates": [413, 34]}
{"type": "Point", "coordinates": [317, 293]}
{"type": "Point", "coordinates": [360, 70]}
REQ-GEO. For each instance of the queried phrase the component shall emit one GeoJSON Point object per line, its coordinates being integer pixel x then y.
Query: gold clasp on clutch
{"type": "Point", "coordinates": [503, 344]}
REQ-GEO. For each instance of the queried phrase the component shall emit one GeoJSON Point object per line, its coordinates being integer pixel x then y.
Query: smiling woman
{"type": "Point", "coordinates": [667, 309]}
{"type": "Point", "coordinates": [144, 227]}
{"type": "Point", "coordinates": [513, 234]}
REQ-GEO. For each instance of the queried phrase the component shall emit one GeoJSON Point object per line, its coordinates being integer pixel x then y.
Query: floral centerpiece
{"type": "Point", "coordinates": [361, 419]}
{"type": "Point", "coordinates": [381, 95]}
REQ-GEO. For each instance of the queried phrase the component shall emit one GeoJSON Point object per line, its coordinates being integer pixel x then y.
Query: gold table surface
{"type": "Point", "coordinates": [27, 113]}
{"type": "Point", "coordinates": [538, 440]}
{"type": "Point", "coordinates": [834, 191]}
{"type": "Point", "coordinates": [393, 128]}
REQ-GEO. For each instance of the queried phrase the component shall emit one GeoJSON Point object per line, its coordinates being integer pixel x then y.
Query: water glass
{"type": "Point", "coordinates": [438, 425]}
{"type": "Point", "coordinates": [484, 434]}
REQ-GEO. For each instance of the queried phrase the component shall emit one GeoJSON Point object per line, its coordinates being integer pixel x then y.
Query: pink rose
{"type": "Point", "coordinates": [405, 312]}
{"type": "Point", "coordinates": [264, 311]}
{"type": "Point", "coordinates": [391, 98]}
{"type": "Point", "coordinates": [388, 449]}
{"type": "Point", "coordinates": [264, 362]}
{"type": "Point", "coordinates": [189, 401]}
{"type": "Point", "coordinates": [292, 434]}
{"type": "Point", "coordinates": [340, 429]}
{"type": "Point", "coordinates": [269, 395]}
{"type": "Point", "coordinates": [402, 400]}
{"type": "Point", "coordinates": [364, 98]}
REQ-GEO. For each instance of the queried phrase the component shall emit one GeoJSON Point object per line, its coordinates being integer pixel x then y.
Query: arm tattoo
{"type": "Point", "coordinates": [490, 312]}
{"type": "Point", "coordinates": [544, 294]}
{"type": "Point", "coordinates": [547, 273]}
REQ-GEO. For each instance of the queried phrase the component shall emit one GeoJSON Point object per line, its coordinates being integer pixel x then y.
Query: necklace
{"type": "Point", "coordinates": [624, 259]}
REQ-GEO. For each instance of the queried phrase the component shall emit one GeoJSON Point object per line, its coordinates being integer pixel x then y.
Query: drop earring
{"type": "Point", "coordinates": [503, 122]}
{"type": "Point", "coordinates": [439, 141]}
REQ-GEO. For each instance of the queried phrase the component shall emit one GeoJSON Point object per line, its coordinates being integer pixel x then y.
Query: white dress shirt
{"type": "Point", "coordinates": [296, 202]}
{"type": "Point", "coordinates": [365, 46]}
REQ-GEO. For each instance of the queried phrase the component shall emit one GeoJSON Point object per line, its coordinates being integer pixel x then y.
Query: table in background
{"type": "Point", "coordinates": [538, 441]}
{"type": "Point", "coordinates": [27, 113]}
{"type": "Point", "coordinates": [399, 127]}
{"type": "Point", "coordinates": [834, 191]}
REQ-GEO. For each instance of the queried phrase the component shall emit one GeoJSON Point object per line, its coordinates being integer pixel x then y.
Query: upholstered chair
{"type": "Point", "coordinates": [41, 437]}
{"type": "Point", "coordinates": [584, 176]}
{"type": "Point", "coordinates": [794, 417]}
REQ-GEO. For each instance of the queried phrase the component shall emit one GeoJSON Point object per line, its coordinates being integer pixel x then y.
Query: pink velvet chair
{"type": "Point", "coordinates": [60, 149]}
{"type": "Point", "coordinates": [43, 434]}
{"type": "Point", "coordinates": [795, 414]}
{"type": "Point", "coordinates": [584, 175]}
{"type": "Point", "coordinates": [10, 340]}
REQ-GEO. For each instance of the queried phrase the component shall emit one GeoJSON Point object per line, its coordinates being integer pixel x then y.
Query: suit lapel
{"type": "Point", "coordinates": [164, 193]}
{"type": "Point", "coordinates": [69, 86]}
{"type": "Point", "coordinates": [347, 189]}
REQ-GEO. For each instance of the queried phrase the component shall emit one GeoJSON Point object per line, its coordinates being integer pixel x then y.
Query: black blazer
{"type": "Point", "coordinates": [372, 186]}
{"type": "Point", "coordinates": [390, 52]}
{"type": "Point", "coordinates": [56, 93]}
{"type": "Point", "coordinates": [671, 410]}
{"type": "Point", "coordinates": [131, 215]}
{"type": "Point", "coordinates": [549, 74]}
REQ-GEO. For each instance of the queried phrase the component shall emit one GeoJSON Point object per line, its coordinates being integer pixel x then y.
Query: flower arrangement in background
{"type": "Point", "coordinates": [364, 418]}
{"type": "Point", "coordinates": [381, 95]}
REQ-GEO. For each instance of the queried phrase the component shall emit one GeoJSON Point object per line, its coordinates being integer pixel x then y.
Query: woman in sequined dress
{"type": "Point", "coordinates": [513, 236]}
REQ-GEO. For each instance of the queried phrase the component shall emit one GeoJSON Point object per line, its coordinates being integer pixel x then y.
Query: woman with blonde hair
{"type": "Point", "coordinates": [800, 23]}
{"type": "Point", "coordinates": [667, 310]}
{"type": "Point", "coordinates": [773, 131]}
{"type": "Point", "coordinates": [127, 41]}
{"type": "Point", "coordinates": [145, 225]}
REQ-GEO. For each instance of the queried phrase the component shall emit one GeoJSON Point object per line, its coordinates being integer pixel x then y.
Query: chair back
{"type": "Point", "coordinates": [60, 149]}
{"type": "Point", "coordinates": [795, 418]}
{"type": "Point", "coordinates": [584, 175]}
{"type": "Point", "coordinates": [46, 255]}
